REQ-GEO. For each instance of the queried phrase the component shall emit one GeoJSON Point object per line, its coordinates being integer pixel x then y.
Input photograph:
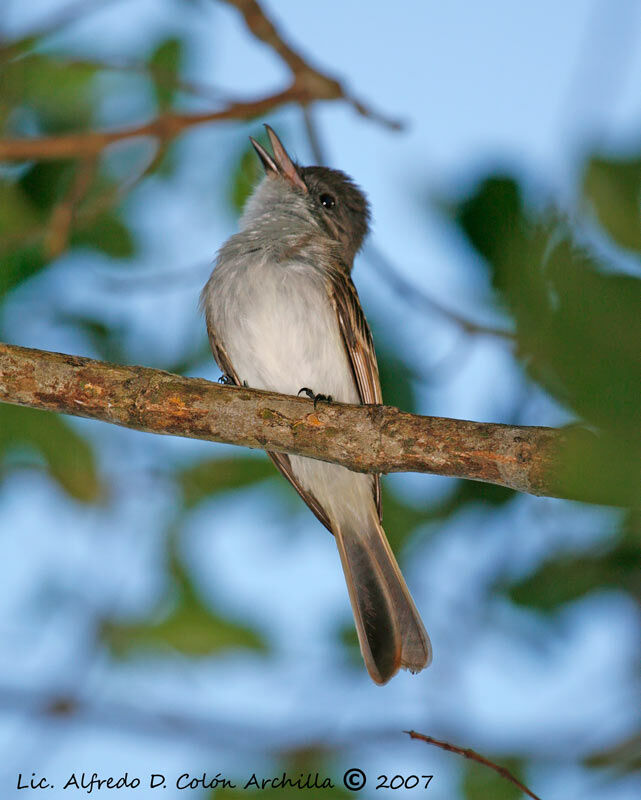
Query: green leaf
{"type": "Point", "coordinates": [400, 518]}
{"type": "Point", "coordinates": [569, 578]}
{"type": "Point", "coordinates": [297, 765]}
{"type": "Point", "coordinates": [59, 93]}
{"type": "Point", "coordinates": [624, 757]}
{"type": "Point", "coordinates": [164, 65]}
{"type": "Point", "coordinates": [45, 182]}
{"type": "Point", "coordinates": [396, 378]}
{"type": "Point", "coordinates": [67, 455]}
{"type": "Point", "coordinates": [217, 475]}
{"type": "Point", "coordinates": [18, 266]}
{"type": "Point", "coordinates": [17, 213]}
{"type": "Point", "coordinates": [578, 327]}
{"type": "Point", "coordinates": [246, 175]}
{"type": "Point", "coordinates": [481, 782]}
{"type": "Point", "coordinates": [613, 188]}
{"type": "Point", "coordinates": [108, 234]}
{"type": "Point", "coordinates": [190, 627]}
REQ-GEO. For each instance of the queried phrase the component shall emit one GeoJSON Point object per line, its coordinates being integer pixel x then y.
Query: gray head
{"type": "Point", "coordinates": [325, 198]}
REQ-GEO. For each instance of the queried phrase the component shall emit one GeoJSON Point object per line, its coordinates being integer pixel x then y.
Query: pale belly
{"type": "Point", "coordinates": [281, 333]}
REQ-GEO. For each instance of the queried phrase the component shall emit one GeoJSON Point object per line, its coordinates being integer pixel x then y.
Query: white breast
{"type": "Point", "coordinates": [279, 328]}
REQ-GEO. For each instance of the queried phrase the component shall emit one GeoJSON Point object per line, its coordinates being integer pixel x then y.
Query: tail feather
{"type": "Point", "coordinates": [390, 630]}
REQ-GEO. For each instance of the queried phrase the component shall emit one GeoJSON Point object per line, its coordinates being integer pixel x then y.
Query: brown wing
{"type": "Point", "coordinates": [360, 348]}
{"type": "Point", "coordinates": [281, 460]}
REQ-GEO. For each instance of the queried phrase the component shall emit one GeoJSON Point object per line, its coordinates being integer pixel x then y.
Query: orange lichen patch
{"type": "Point", "coordinates": [177, 406]}
{"type": "Point", "coordinates": [309, 419]}
{"type": "Point", "coordinates": [92, 388]}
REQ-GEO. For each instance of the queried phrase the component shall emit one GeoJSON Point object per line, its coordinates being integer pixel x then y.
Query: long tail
{"type": "Point", "coordinates": [390, 630]}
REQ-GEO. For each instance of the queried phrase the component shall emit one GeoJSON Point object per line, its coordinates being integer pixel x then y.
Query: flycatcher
{"type": "Point", "coordinates": [283, 315]}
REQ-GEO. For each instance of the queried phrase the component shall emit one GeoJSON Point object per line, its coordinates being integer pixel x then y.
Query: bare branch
{"type": "Point", "coordinates": [62, 216]}
{"type": "Point", "coordinates": [376, 439]}
{"type": "Point", "coordinates": [308, 85]}
{"type": "Point", "coordinates": [319, 85]}
{"type": "Point", "coordinates": [165, 127]}
{"type": "Point", "coordinates": [474, 756]}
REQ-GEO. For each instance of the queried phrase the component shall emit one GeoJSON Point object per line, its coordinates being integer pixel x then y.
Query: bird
{"type": "Point", "coordinates": [283, 315]}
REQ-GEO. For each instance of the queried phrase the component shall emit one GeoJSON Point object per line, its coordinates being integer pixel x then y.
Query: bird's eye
{"type": "Point", "coordinates": [328, 200]}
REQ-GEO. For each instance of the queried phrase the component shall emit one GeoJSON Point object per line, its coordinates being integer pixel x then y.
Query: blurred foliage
{"type": "Point", "coordinates": [302, 765]}
{"type": "Point", "coordinates": [624, 757]}
{"type": "Point", "coordinates": [39, 92]}
{"type": "Point", "coordinates": [481, 783]}
{"type": "Point", "coordinates": [164, 65]}
{"type": "Point", "coordinates": [205, 479]}
{"type": "Point", "coordinates": [247, 172]}
{"type": "Point", "coordinates": [191, 627]}
{"type": "Point", "coordinates": [577, 317]}
{"type": "Point", "coordinates": [568, 577]}
{"type": "Point", "coordinates": [30, 437]}
{"type": "Point", "coordinates": [578, 330]}
{"type": "Point", "coordinates": [612, 187]}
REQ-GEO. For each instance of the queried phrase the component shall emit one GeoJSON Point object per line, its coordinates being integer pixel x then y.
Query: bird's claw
{"type": "Point", "coordinates": [226, 380]}
{"type": "Point", "coordinates": [326, 398]}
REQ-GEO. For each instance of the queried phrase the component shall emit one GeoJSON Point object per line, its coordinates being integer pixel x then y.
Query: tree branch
{"type": "Point", "coordinates": [165, 127]}
{"type": "Point", "coordinates": [362, 438]}
{"type": "Point", "coordinates": [308, 85]}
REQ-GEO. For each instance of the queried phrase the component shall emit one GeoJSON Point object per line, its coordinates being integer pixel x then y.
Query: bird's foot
{"type": "Point", "coordinates": [227, 380]}
{"type": "Point", "coordinates": [326, 398]}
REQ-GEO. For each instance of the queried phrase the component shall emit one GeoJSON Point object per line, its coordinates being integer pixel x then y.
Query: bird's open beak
{"type": "Point", "coordinates": [280, 164]}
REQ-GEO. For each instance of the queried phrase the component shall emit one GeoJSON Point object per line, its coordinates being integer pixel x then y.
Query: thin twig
{"type": "Point", "coordinates": [474, 756]}
{"type": "Point", "coordinates": [417, 297]}
{"type": "Point", "coordinates": [163, 77]}
{"type": "Point", "coordinates": [316, 82]}
{"type": "Point", "coordinates": [308, 84]}
{"type": "Point", "coordinates": [165, 127]}
{"type": "Point", "coordinates": [62, 216]}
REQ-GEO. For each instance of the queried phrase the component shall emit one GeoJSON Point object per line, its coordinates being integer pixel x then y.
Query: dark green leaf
{"type": "Point", "coordinates": [623, 757]}
{"type": "Point", "coordinates": [165, 64]}
{"type": "Point", "coordinates": [67, 455]}
{"type": "Point", "coordinates": [482, 783]}
{"type": "Point", "coordinates": [191, 627]}
{"type": "Point", "coordinates": [400, 518]}
{"type": "Point", "coordinates": [209, 478]}
{"type": "Point", "coordinates": [58, 93]}
{"type": "Point", "coordinates": [299, 765]}
{"type": "Point", "coordinates": [17, 214]}
{"type": "Point", "coordinates": [246, 175]}
{"type": "Point", "coordinates": [19, 265]}
{"type": "Point", "coordinates": [578, 327]}
{"type": "Point", "coordinates": [396, 379]}
{"type": "Point", "coordinates": [613, 187]}
{"type": "Point", "coordinates": [569, 578]}
{"type": "Point", "coordinates": [45, 182]}
{"type": "Point", "coordinates": [108, 234]}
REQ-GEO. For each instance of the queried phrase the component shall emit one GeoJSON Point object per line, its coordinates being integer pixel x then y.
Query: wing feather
{"type": "Point", "coordinates": [359, 346]}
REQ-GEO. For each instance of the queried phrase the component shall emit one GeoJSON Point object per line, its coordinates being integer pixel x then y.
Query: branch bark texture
{"type": "Point", "coordinates": [362, 438]}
